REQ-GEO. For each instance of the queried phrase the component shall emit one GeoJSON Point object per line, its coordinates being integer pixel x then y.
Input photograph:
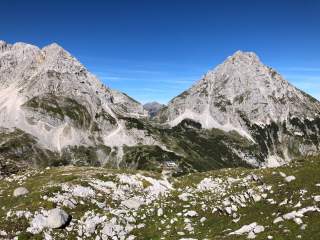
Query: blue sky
{"type": "Point", "coordinates": [155, 49]}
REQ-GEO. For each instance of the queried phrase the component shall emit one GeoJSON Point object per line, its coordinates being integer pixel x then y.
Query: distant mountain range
{"type": "Point", "coordinates": [153, 108]}
{"type": "Point", "coordinates": [242, 113]}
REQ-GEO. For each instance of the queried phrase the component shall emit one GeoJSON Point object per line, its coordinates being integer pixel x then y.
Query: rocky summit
{"type": "Point", "coordinates": [153, 108]}
{"type": "Point", "coordinates": [53, 106]}
{"type": "Point", "coordinates": [244, 96]}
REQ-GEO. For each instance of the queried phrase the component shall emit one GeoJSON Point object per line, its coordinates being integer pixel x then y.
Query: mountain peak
{"type": "Point", "coordinates": [153, 108]}
{"type": "Point", "coordinates": [241, 53]}
{"type": "Point", "coordinates": [59, 59]}
{"type": "Point", "coordinates": [152, 103]}
{"type": "Point", "coordinates": [23, 46]}
{"type": "Point", "coordinates": [52, 75]}
{"type": "Point", "coordinates": [241, 86]}
{"type": "Point", "coordinates": [53, 46]}
{"type": "Point", "coordinates": [244, 57]}
{"type": "Point", "coordinates": [237, 65]}
{"type": "Point", "coordinates": [55, 49]}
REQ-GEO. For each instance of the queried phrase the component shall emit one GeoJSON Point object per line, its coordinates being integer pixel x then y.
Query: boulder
{"type": "Point", "coordinates": [20, 191]}
{"type": "Point", "coordinates": [290, 178]}
{"type": "Point", "coordinates": [57, 218]}
{"type": "Point", "coordinates": [132, 203]}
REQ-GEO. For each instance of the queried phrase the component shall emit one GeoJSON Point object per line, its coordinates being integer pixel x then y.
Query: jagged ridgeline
{"type": "Point", "coordinates": [53, 111]}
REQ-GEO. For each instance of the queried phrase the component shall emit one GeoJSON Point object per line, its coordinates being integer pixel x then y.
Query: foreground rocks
{"type": "Point", "coordinates": [104, 204]}
{"type": "Point", "coordinates": [20, 191]}
{"type": "Point", "coordinates": [57, 218]}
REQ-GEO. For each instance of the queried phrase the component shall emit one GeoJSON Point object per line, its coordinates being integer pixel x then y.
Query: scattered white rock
{"type": "Point", "coordinates": [303, 227]}
{"type": "Point", "coordinates": [298, 221]}
{"type": "Point", "coordinates": [284, 202]}
{"type": "Point", "coordinates": [297, 215]}
{"type": "Point", "coordinates": [282, 174]}
{"type": "Point", "coordinates": [20, 191]}
{"type": "Point", "coordinates": [37, 224]}
{"type": "Point", "coordinates": [203, 219]}
{"type": "Point", "coordinates": [47, 236]}
{"type": "Point", "coordinates": [84, 192]}
{"type": "Point", "coordinates": [89, 222]}
{"type": "Point", "coordinates": [57, 218]}
{"type": "Point", "coordinates": [256, 198]}
{"type": "Point", "coordinates": [160, 212]}
{"type": "Point", "coordinates": [191, 214]}
{"type": "Point", "coordinates": [251, 235]}
{"type": "Point", "coordinates": [228, 210]}
{"type": "Point", "coordinates": [258, 229]}
{"type": "Point", "coordinates": [290, 178]}
{"type": "Point", "coordinates": [298, 205]}
{"type": "Point", "coordinates": [128, 192]}
{"type": "Point", "coordinates": [185, 196]}
{"type": "Point", "coordinates": [132, 203]}
{"type": "Point", "coordinates": [210, 184]}
{"type": "Point", "coordinates": [316, 198]}
{"type": "Point", "coordinates": [226, 203]}
{"type": "Point", "coordinates": [112, 229]}
{"type": "Point", "coordinates": [251, 229]}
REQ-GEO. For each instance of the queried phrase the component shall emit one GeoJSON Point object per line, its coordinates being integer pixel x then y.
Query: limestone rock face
{"type": "Point", "coordinates": [50, 95]}
{"type": "Point", "coordinates": [241, 85]}
{"type": "Point", "coordinates": [245, 96]}
{"type": "Point", "coordinates": [53, 111]}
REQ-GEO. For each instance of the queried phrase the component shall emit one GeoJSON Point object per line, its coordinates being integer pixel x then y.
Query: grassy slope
{"type": "Point", "coordinates": [305, 171]}
{"type": "Point", "coordinates": [195, 148]}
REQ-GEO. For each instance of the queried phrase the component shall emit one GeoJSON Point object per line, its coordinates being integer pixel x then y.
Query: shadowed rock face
{"type": "Point", "coordinates": [153, 108]}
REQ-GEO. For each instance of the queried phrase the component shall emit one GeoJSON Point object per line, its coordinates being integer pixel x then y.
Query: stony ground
{"type": "Point", "coordinates": [95, 203]}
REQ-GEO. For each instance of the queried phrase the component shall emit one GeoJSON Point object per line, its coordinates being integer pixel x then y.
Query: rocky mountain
{"type": "Point", "coordinates": [53, 111]}
{"type": "Point", "coordinates": [153, 108]}
{"type": "Point", "coordinates": [51, 106]}
{"type": "Point", "coordinates": [243, 95]}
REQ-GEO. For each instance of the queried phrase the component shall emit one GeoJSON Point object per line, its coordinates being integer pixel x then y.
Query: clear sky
{"type": "Point", "coordinates": [155, 49]}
